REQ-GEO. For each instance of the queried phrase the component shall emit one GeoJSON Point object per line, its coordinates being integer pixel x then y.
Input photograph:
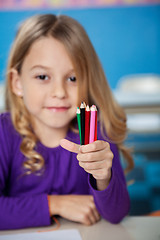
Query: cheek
{"type": "Point", "coordinates": [32, 99]}
{"type": "Point", "coordinates": [74, 96]}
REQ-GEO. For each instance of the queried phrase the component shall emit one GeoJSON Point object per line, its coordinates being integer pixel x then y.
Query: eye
{"type": "Point", "coordinates": [72, 79]}
{"type": "Point", "coordinates": [42, 77]}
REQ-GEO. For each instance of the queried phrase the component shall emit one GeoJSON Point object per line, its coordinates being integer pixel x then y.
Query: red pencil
{"type": "Point", "coordinates": [87, 125]}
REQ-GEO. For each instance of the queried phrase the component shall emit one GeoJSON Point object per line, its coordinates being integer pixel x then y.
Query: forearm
{"type": "Point", "coordinates": [23, 212]}
{"type": "Point", "coordinates": [112, 203]}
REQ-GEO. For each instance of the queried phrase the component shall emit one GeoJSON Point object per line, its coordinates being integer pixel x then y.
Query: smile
{"type": "Point", "coordinates": [58, 109]}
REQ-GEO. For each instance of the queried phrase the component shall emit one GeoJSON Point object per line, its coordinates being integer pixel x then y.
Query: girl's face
{"type": "Point", "coordinates": [47, 84]}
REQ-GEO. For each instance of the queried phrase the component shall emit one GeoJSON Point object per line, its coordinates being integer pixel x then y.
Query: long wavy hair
{"type": "Point", "coordinates": [93, 87]}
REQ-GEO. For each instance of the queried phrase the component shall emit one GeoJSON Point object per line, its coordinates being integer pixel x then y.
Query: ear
{"type": "Point", "coordinates": [16, 83]}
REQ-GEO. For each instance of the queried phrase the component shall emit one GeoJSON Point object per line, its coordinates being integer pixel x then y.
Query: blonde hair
{"type": "Point", "coordinates": [93, 87]}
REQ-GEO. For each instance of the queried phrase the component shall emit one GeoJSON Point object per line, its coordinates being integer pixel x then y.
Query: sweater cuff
{"type": "Point", "coordinates": [45, 216]}
{"type": "Point", "coordinates": [93, 185]}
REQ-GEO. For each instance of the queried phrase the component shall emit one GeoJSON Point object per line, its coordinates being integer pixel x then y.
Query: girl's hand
{"type": "Point", "coordinates": [95, 158]}
{"type": "Point", "coordinates": [78, 208]}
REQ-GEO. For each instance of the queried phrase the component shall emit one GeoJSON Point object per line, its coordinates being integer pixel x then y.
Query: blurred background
{"type": "Point", "coordinates": [126, 36]}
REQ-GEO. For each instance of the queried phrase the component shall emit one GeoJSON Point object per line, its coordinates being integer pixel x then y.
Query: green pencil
{"type": "Point", "coordinates": [79, 123]}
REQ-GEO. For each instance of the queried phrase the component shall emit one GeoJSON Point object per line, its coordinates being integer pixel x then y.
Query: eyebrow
{"type": "Point", "coordinates": [70, 71]}
{"type": "Point", "coordinates": [39, 66]}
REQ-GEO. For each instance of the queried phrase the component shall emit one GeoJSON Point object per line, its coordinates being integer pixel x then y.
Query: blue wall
{"type": "Point", "coordinates": [127, 39]}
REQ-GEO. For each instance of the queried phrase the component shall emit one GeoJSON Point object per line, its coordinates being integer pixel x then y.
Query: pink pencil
{"type": "Point", "coordinates": [92, 123]}
{"type": "Point", "coordinates": [87, 124]}
{"type": "Point", "coordinates": [95, 134]}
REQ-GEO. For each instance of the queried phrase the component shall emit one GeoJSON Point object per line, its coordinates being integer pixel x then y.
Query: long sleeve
{"type": "Point", "coordinates": [17, 210]}
{"type": "Point", "coordinates": [23, 212]}
{"type": "Point", "coordinates": [113, 203]}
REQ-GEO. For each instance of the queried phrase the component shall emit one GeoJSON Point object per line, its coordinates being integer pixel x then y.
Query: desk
{"type": "Point", "coordinates": [131, 228]}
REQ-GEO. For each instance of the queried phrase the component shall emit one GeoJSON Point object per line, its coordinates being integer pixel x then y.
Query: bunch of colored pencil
{"type": "Point", "coordinates": [87, 123]}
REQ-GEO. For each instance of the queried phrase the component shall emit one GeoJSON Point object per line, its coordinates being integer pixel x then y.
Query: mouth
{"type": "Point", "coordinates": [58, 109]}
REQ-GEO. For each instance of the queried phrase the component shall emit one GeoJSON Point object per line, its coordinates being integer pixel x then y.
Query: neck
{"type": "Point", "coordinates": [51, 137]}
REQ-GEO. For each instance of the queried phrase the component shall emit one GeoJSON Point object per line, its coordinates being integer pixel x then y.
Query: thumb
{"type": "Point", "coordinates": [70, 146]}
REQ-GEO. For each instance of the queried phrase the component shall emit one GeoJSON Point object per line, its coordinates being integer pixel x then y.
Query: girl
{"type": "Point", "coordinates": [43, 169]}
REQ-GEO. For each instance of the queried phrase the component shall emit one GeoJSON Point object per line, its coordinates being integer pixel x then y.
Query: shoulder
{"type": "Point", "coordinates": [8, 140]}
{"type": "Point", "coordinates": [5, 116]}
{"type": "Point", "coordinates": [7, 131]}
{"type": "Point", "coordinates": [5, 122]}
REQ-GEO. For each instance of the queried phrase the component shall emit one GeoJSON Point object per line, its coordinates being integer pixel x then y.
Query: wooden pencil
{"type": "Point", "coordinates": [87, 125]}
{"type": "Point", "coordinates": [79, 123]}
{"type": "Point", "coordinates": [95, 132]}
{"type": "Point", "coordinates": [92, 123]}
{"type": "Point", "coordinates": [82, 110]}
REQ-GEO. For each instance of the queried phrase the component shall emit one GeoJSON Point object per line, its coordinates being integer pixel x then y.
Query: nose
{"type": "Point", "coordinates": [58, 89]}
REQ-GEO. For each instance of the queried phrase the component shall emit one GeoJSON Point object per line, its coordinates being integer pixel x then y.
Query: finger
{"type": "Point", "coordinates": [89, 217]}
{"type": "Point", "coordinates": [89, 166]}
{"type": "Point", "coordinates": [96, 215]}
{"type": "Point", "coordinates": [94, 146]}
{"type": "Point", "coordinates": [86, 221]}
{"type": "Point", "coordinates": [70, 146]}
{"type": "Point", "coordinates": [95, 156]}
{"type": "Point", "coordinates": [92, 219]}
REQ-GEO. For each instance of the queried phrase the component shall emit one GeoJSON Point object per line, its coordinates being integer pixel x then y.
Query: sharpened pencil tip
{"type": "Point", "coordinates": [78, 110]}
{"type": "Point", "coordinates": [87, 108]}
{"type": "Point", "coordinates": [82, 105]}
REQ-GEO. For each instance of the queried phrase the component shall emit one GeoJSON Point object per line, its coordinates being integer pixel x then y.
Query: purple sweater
{"type": "Point", "coordinates": [23, 199]}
